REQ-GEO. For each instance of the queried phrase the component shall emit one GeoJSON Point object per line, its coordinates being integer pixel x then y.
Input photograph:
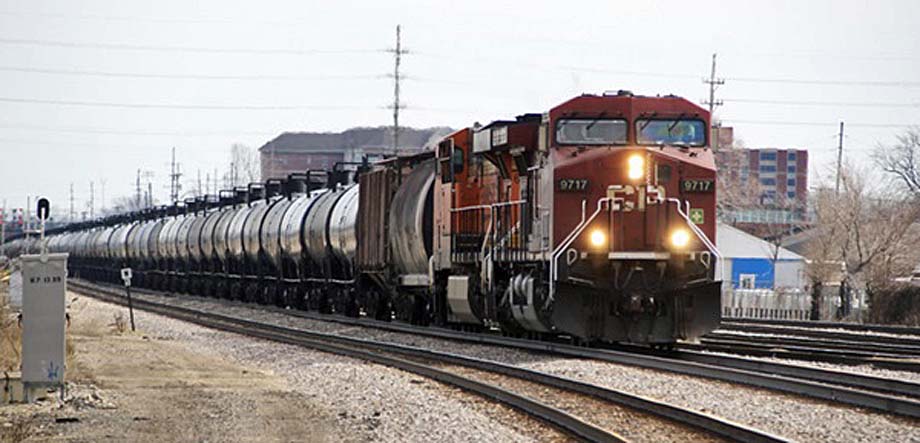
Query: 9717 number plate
{"type": "Point", "coordinates": [697, 185]}
{"type": "Point", "coordinates": [573, 184]}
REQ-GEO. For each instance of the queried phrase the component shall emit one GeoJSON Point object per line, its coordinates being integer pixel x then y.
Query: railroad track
{"type": "Point", "coordinates": [818, 343]}
{"type": "Point", "coordinates": [859, 327]}
{"type": "Point", "coordinates": [847, 348]}
{"type": "Point", "coordinates": [442, 367]}
{"type": "Point", "coordinates": [890, 396]}
{"type": "Point", "coordinates": [825, 334]}
{"type": "Point", "coordinates": [802, 353]}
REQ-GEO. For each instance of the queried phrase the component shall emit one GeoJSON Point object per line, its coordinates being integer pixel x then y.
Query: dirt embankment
{"type": "Point", "coordinates": [127, 386]}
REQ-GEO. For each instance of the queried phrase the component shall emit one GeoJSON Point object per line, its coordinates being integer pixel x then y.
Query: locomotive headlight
{"type": "Point", "coordinates": [598, 239]}
{"type": "Point", "coordinates": [680, 238]}
{"type": "Point", "coordinates": [636, 167]}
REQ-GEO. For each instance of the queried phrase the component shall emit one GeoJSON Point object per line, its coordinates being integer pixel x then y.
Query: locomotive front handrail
{"type": "Point", "coordinates": [700, 234]}
{"type": "Point", "coordinates": [554, 268]}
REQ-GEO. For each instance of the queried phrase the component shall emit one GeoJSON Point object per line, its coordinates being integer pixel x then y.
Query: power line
{"type": "Point", "coordinates": [544, 67]}
{"type": "Point", "coordinates": [179, 106]}
{"type": "Point", "coordinates": [93, 73]}
{"type": "Point", "coordinates": [806, 123]}
{"type": "Point", "coordinates": [152, 48]}
{"type": "Point", "coordinates": [888, 83]}
{"type": "Point", "coordinates": [112, 131]}
{"type": "Point", "coordinates": [99, 17]}
{"type": "Point", "coordinates": [822, 103]}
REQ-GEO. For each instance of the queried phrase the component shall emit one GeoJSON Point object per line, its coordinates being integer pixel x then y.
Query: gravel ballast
{"type": "Point", "coordinates": [793, 417]}
{"type": "Point", "coordinates": [374, 402]}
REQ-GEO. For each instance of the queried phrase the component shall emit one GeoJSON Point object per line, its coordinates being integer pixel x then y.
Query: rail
{"type": "Point", "coordinates": [353, 347]}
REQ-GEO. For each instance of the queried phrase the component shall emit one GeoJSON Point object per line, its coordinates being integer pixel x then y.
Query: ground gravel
{"type": "Point", "coordinates": [793, 417]}
{"type": "Point", "coordinates": [374, 402]}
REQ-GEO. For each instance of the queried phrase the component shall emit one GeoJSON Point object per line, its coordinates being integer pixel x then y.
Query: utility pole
{"type": "Point", "coordinates": [199, 184]}
{"type": "Point", "coordinates": [137, 190]}
{"type": "Point", "coordinates": [149, 194]}
{"type": "Point", "coordinates": [174, 174]}
{"type": "Point", "coordinates": [396, 106]}
{"type": "Point", "coordinates": [713, 83]}
{"type": "Point", "coordinates": [3, 222]}
{"type": "Point", "coordinates": [839, 157]}
{"type": "Point", "coordinates": [73, 215]}
{"type": "Point", "coordinates": [92, 203]}
{"type": "Point", "coordinates": [102, 197]}
{"type": "Point", "coordinates": [27, 224]}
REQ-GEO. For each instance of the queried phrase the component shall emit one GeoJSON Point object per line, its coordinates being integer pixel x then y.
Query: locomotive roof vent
{"type": "Point", "coordinates": [619, 93]}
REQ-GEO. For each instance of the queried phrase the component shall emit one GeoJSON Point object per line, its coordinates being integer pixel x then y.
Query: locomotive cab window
{"type": "Point", "coordinates": [445, 159]}
{"type": "Point", "coordinates": [456, 161]}
{"type": "Point", "coordinates": [671, 132]}
{"type": "Point", "coordinates": [591, 132]}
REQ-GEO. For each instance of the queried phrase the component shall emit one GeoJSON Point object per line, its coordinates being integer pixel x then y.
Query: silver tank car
{"type": "Point", "coordinates": [410, 221]}
{"type": "Point", "coordinates": [253, 226]}
{"type": "Point", "coordinates": [206, 235]}
{"type": "Point", "coordinates": [293, 224]}
{"type": "Point", "coordinates": [342, 226]}
{"type": "Point", "coordinates": [270, 234]}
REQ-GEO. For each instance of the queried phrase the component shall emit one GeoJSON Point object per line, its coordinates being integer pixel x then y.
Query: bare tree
{"type": "Point", "coordinates": [902, 159]}
{"type": "Point", "coordinates": [737, 190]}
{"type": "Point", "coordinates": [127, 203]}
{"type": "Point", "coordinates": [868, 229]}
{"type": "Point", "coordinates": [244, 166]}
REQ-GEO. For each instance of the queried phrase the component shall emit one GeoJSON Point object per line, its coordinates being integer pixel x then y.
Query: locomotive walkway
{"type": "Point", "coordinates": [507, 384]}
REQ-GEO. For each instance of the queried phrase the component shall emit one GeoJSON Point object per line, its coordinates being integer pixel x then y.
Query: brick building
{"type": "Point", "coordinates": [763, 186]}
{"type": "Point", "coordinates": [301, 151]}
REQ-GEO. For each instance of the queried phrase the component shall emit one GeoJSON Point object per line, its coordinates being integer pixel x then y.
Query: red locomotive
{"type": "Point", "coordinates": [596, 219]}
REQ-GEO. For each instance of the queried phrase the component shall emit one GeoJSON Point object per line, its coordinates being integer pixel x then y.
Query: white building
{"type": "Point", "coordinates": [749, 262]}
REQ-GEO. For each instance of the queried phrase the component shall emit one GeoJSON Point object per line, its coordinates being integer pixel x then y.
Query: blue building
{"type": "Point", "coordinates": [748, 261]}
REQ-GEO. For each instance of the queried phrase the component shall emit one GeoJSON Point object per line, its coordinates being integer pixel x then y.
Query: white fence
{"type": "Point", "coordinates": [784, 304]}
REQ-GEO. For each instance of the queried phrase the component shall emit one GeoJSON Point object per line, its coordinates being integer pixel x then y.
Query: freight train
{"type": "Point", "coordinates": [595, 220]}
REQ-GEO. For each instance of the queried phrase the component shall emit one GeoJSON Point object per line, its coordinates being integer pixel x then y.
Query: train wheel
{"type": "Point", "coordinates": [420, 313]}
{"type": "Point", "coordinates": [351, 304]}
{"type": "Point", "coordinates": [235, 291]}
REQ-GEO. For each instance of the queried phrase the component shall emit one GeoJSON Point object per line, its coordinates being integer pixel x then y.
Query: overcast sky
{"type": "Point", "coordinates": [94, 90]}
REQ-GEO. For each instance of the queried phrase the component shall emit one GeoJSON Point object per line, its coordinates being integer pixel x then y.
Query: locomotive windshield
{"type": "Point", "coordinates": [591, 132]}
{"type": "Point", "coordinates": [670, 132]}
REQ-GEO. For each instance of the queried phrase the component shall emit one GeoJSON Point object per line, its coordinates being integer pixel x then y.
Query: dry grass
{"type": "Point", "coordinates": [83, 324]}
{"type": "Point", "coordinates": [22, 428]}
{"type": "Point", "coordinates": [10, 334]}
{"type": "Point", "coordinates": [119, 323]}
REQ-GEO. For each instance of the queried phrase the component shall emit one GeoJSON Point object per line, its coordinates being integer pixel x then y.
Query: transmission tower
{"type": "Point", "coordinates": [397, 76]}
{"type": "Point", "coordinates": [92, 202]}
{"type": "Point", "coordinates": [73, 215]}
{"type": "Point", "coordinates": [175, 187]}
{"type": "Point", "coordinates": [137, 190]}
{"type": "Point", "coordinates": [713, 83]}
